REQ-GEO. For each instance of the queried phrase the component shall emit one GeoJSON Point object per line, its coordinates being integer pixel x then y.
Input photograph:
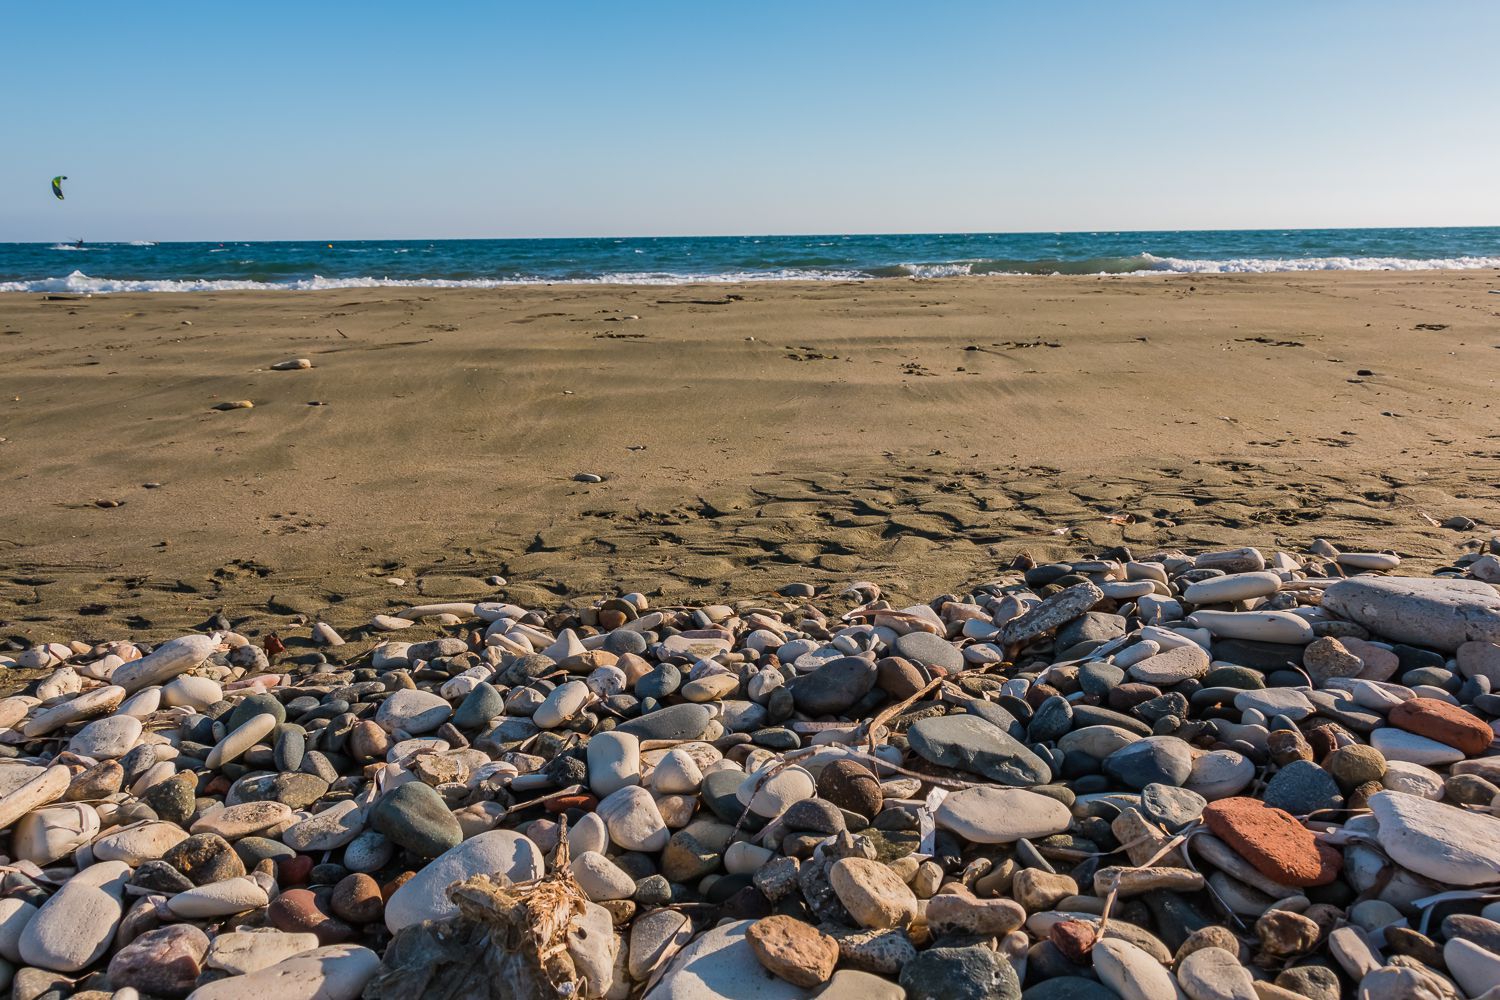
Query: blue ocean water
{"type": "Point", "coordinates": [146, 266]}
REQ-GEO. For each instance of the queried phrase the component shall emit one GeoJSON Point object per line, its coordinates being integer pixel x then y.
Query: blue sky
{"type": "Point", "coordinates": [366, 120]}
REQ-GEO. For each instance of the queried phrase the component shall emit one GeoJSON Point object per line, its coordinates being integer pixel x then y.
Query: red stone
{"type": "Point", "coordinates": [1272, 840]}
{"type": "Point", "coordinates": [357, 899]}
{"type": "Point", "coordinates": [389, 889]}
{"type": "Point", "coordinates": [163, 962]}
{"type": "Point", "coordinates": [297, 911]}
{"type": "Point", "coordinates": [294, 871]}
{"type": "Point", "coordinates": [1448, 724]}
{"type": "Point", "coordinates": [566, 802]}
{"type": "Point", "coordinates": [1075, 939]}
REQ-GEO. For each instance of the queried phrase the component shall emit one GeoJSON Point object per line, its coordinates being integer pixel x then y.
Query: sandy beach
{"type": "Point", "coordinates": [923, 433]}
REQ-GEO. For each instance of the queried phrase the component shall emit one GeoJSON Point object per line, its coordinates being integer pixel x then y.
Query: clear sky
{"type": "Point", "coordinates": [398, 119]}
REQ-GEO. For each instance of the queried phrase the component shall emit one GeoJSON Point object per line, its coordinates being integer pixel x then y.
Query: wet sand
{"type": "Point", "coordinates": [922, 434]}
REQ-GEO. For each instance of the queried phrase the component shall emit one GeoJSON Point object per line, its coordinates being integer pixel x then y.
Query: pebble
{"type": "Point", "coordinates": [874, 896]}
{"type": "Point", "coordinates": [792, 950]}
{"type": "Point", "coordinates": [291, 810]}
{"type": "Point", "coordinates": [424, 896]}
{"type": "Point", "coordinates": [1131, 973]}
{"type": "Point", "coordinates": [989, 815]}
{"type": "Point", "coordinates": [334, 972]}
{"type": "Point", "coordinates": [1448, 845]}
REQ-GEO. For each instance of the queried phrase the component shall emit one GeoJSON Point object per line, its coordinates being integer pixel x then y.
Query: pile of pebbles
{"type": "Point", "coordinates": [1220, 776]}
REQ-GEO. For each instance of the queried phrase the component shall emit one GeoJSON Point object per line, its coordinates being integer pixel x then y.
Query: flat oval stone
{"type": "Point", "coordinates": [1448, 845]}
{"type": "Point", "coordinates": [1434, 613]}
{"type": "Point", "coordinates": [989, 815]}
{"type": "Point", "coordinates": [219, 899]}
{"type": "Point", "coordinates": [1233, 587]}
{"type": "Point", "coordinates": [675, 722]}
{"type": "Point", "coordinates": [972, 744]}
{"type": "Point", "coordinates": [413, 712]}
{"type": "Point", "coordinates": [333, 972]}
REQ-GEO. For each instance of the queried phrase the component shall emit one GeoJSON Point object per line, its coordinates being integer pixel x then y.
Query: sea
{"type": "Point", "coordinates": [147, 266]}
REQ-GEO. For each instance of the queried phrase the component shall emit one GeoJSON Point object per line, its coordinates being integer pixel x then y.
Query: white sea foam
{"type": "Point", "coordinates": [142, 243]}
{"type": "Point", "coordinates": [79, 283]}
{"type": "Point", "coordinates": [1263, 265]}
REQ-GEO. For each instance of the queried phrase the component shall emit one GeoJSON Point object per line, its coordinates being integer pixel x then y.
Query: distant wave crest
{"type": "Point", "coordinates": [77, 282]}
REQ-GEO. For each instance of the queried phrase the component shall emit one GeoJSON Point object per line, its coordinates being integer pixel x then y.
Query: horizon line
{"type": "Point", "coordinates": [802, 235]}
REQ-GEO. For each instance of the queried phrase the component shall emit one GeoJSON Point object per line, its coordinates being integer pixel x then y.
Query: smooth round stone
{"type": "Point", "coordinates": [1131, 972]}
{"type": "Point", "coordinates": [1053, 718]}
{"type": "Point", "coordinates": [1215, 974]}
{"type": "Point", "coordinates": [990, 815]}
{"type": "Point", "coordinates": [425, 895]}
{"type": "Point", "coordinates": [1275, 701]}
{"type": "Point", "coordinates": [413, 712]}
{"type": "Point", "coordinates": [633, 820]}
{"type": "Point", "coordinates": [219, 899]}
{"type": "Point", "coordinates": [74, 927]}
{"type": "Point", "coordinates": [250, 949]}
{"type": "Point", "coordinates": [253, 705]}
{"type": "Point", "coordinates": [872, 893]}
{"type": "Point", "coordinates": [1171, 806]}
{"type": "Point", "coordinates": [290, 749]}
{"type": "Point", "coordinates": [240, 740]}
{"type": "Point", "coordinates": [837, 685]}
{"type": "Point", "coordinates": [928, 650]}
{"type": "Point", "coordinates": [368, 852]}
{"type": "Point", "coordinates": [1163, 760]}
{"type": "Point", "coordinates": [132, 845]}
{"type": "Point", "coordinates": [1475, 969]}
{"type": "Point", "coordinates": [1172, 666]}
{"type": "Point", "coordinates": [43, 836]}
{"type": "Point", "coordinates": [974, 973]}
{"type": "Point", "coordinates": [710, 688]}
{"type": "Point", "coordinates": [163, 962]}
{"type": "Point", "coordinates": [770, 795]}
{"type": "Point", "coordinates": [1234, 587]}
{"type": "Point", "coordinates": [561, 705]}
{"type": "Point", "coordinates": [333, 972]}
{"type": "Point", "coordinates": [664, 679]}
{"type": "Point", "coordinates": [677, 773]}
{"type": "Point", "coordinates": [416, 818]}
{"type": "Point", "coordinates": [1097, 742]}
{"type": "Point", "coordinates": [479, 706]}
{"type": "Point", "coordinates": [600, 878]}
{"type": "Point", "coordinates": [675, 722]}
{"type": "Point", "coordinates": [614, 761]}
{"type": "Point", "coordinates": [1261, 626]}
{"type": "Point", "coordinates": [197, 693]}
{"type": "Point", "coordinates": [107, 739]}
{"type": "Point", "coordinates": [1302, 787]}
{"type": "Point", "coordinates": [205, 858]}
{"type": "Point", "coordinates": [851, 786]}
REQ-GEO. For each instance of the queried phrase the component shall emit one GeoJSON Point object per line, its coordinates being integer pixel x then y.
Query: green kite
{"type": "Point", "coordinates": [57, 186]}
